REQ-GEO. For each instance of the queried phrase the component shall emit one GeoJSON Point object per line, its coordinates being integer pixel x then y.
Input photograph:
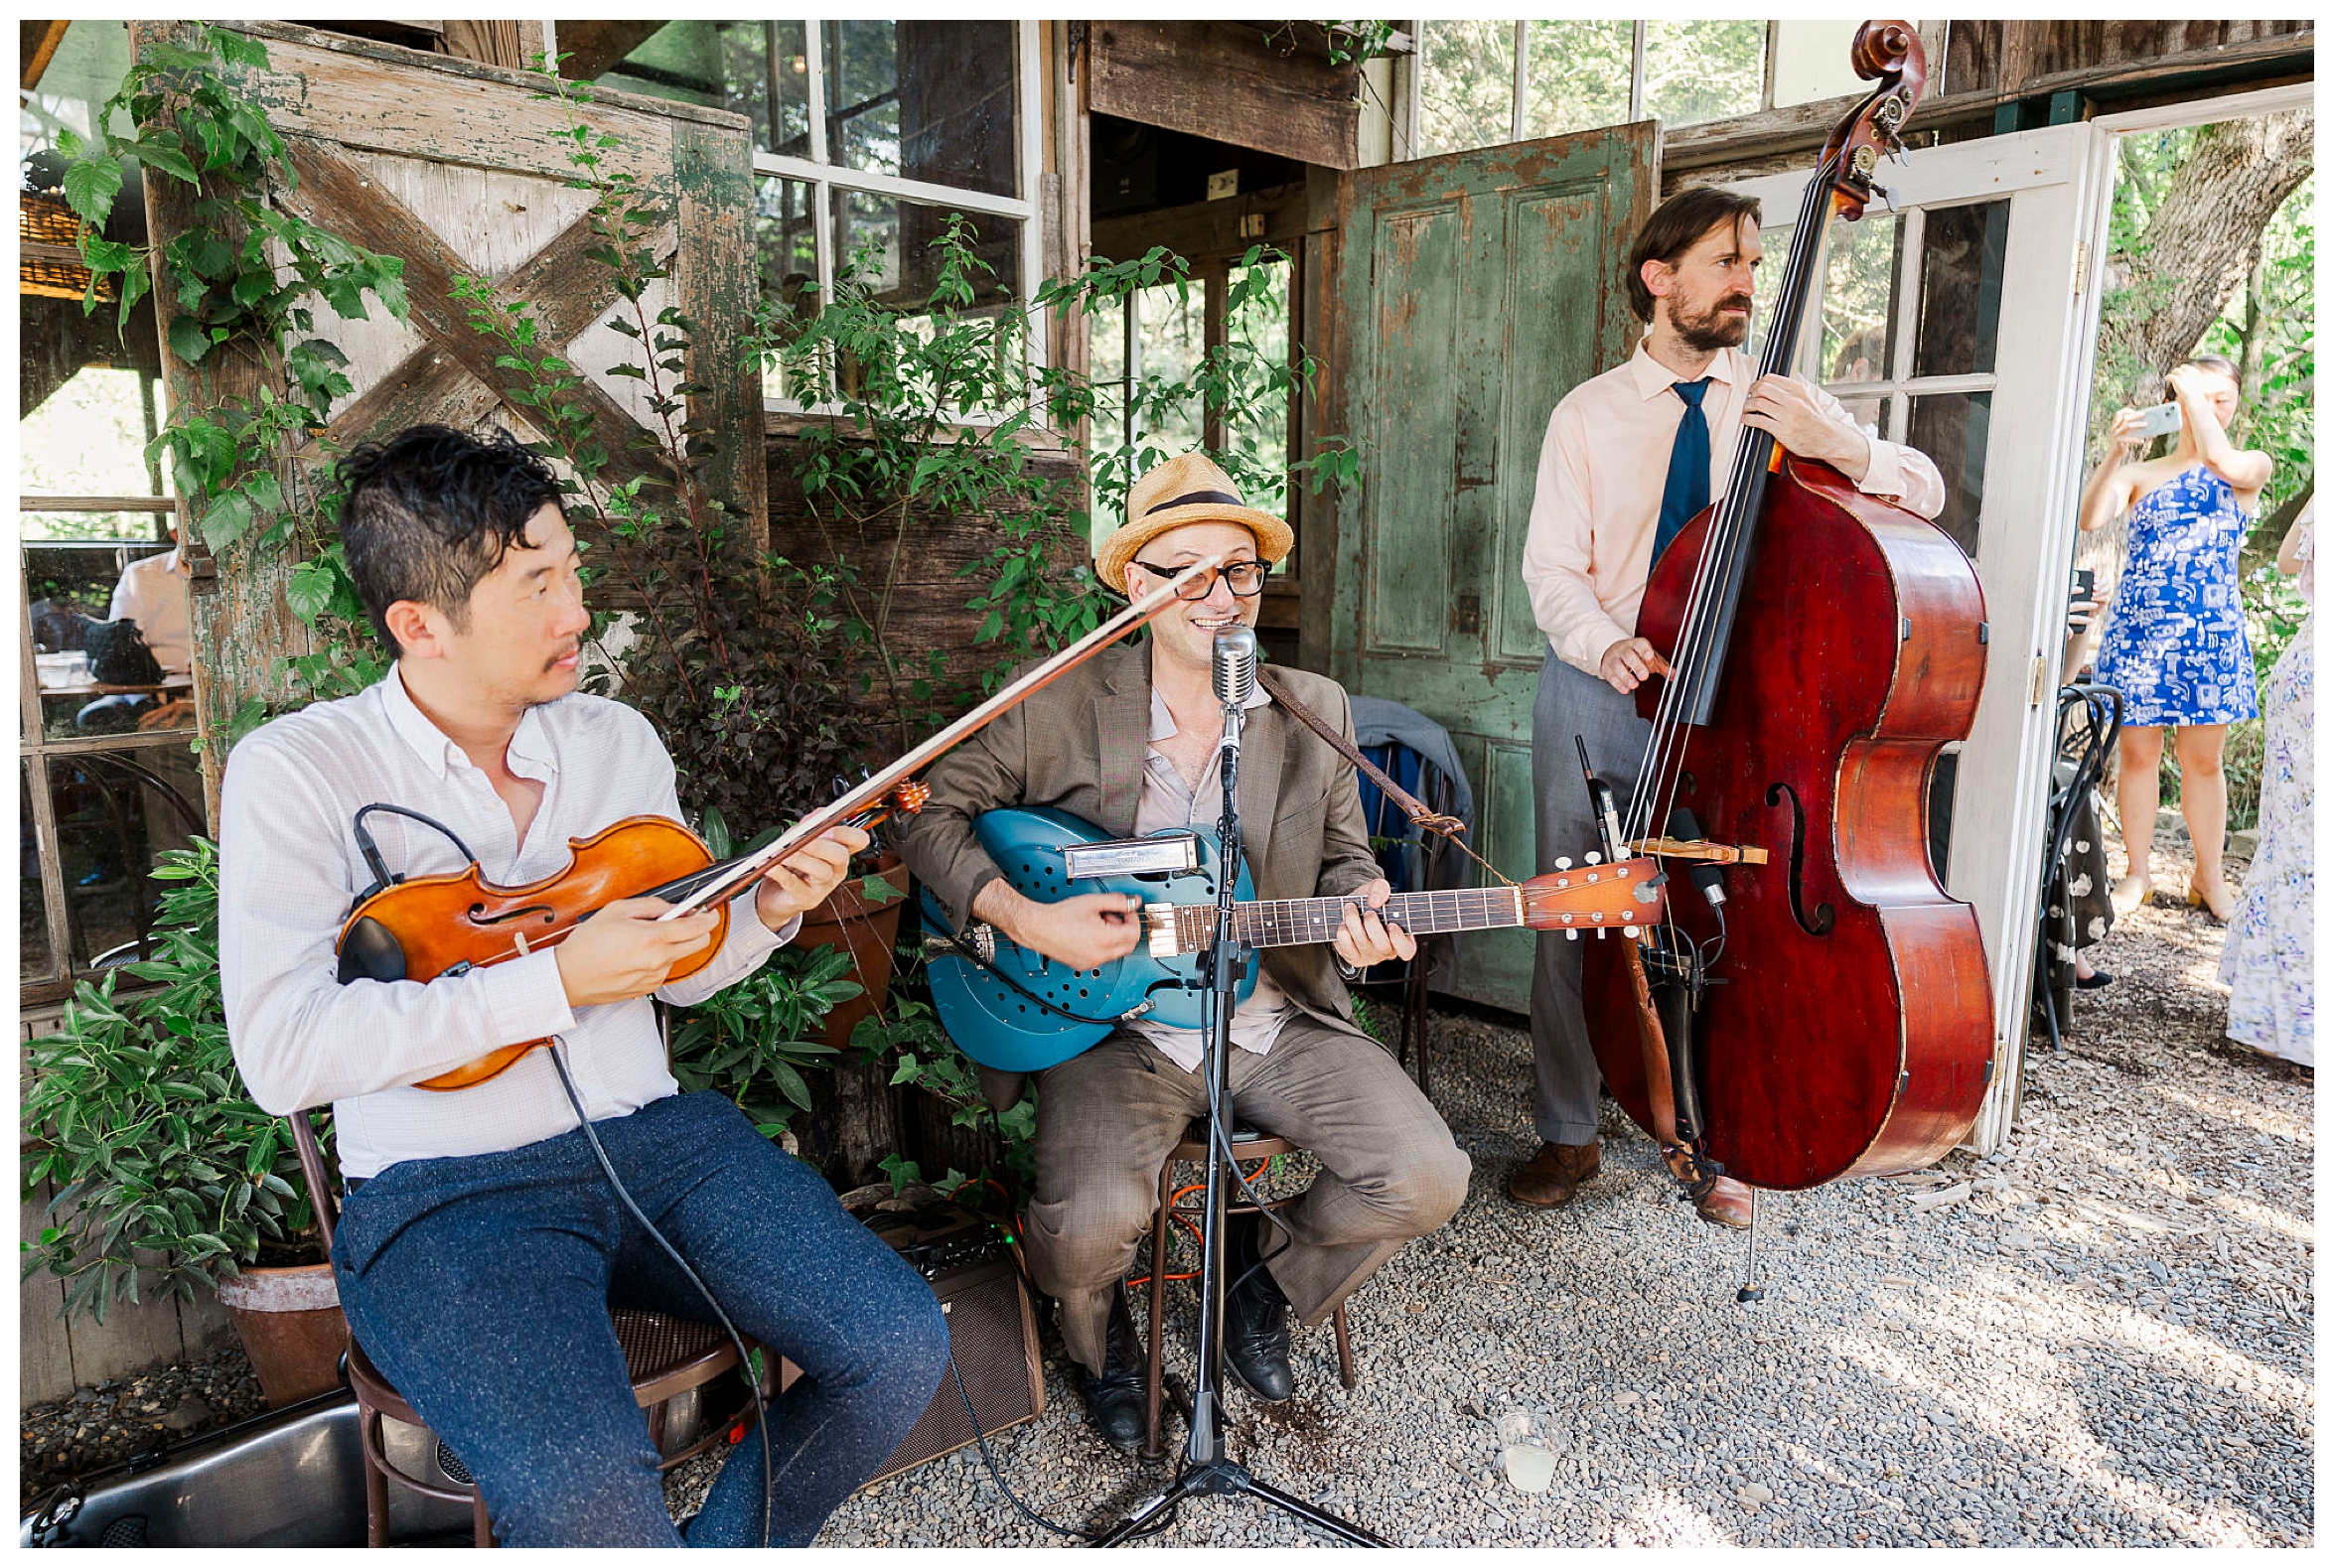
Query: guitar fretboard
{"type": "Point", "coordinates": [1287, 923]}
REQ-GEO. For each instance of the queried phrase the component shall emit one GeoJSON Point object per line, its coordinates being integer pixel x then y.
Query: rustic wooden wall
{"type": "Point", "coordinates": [1991, 67]}
{"type": "Point", "coordinates": [1222, 81]}
{"type": "Point", "coordinates": [454, 165]}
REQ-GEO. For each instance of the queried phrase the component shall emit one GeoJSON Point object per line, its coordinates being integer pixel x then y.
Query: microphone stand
{"type": "Point", "coordinates": [1206, 1470]}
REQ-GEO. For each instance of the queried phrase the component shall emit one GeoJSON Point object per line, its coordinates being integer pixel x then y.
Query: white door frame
{"type": "Point", "coordinates": [2026, 532]}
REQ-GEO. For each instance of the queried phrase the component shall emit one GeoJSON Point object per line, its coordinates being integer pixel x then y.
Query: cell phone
{"type": "Point", "coordinates": [2160, 420]}
{"type": "Point", "coordinates": [2079, 618]}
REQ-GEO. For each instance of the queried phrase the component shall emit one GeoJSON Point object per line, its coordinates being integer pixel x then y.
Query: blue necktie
{"type": "Point", "coordinates": [1687, 489]}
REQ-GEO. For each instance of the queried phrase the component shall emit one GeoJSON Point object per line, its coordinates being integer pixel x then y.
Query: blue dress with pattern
{"type": "Point", "coordinates": [2174, 643]}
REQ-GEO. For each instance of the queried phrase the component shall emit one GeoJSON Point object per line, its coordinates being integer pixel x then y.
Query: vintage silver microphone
{"type": "Point", "coordinates": [1235, 665]}
{"type": "Point", "coordinates": [1234, 670]}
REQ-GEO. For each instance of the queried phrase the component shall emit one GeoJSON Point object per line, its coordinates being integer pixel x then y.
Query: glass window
{"type": "Point", "coordinates": [1811, 61]}
{"type": "Point", "coordinates": [1951, 428]}
{"type": "Point", "coordinates": [1960, 289]}
{"type": "Point", "coordinates": [1704, 71]}
{"type": "Point", "coordinates": [1859, 297]}
{"type": "Point", "coordinates": [36, 957]}
{"type": "Point", "coordinates": [109, 782]}
{"type": "Point", "coordinates": [1466, 85]}
{"type": "Point", "coordinates": [933, 101]}
{"type": "Point", "coordinates": [1576, 76]}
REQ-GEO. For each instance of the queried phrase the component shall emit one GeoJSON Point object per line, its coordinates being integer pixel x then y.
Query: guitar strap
{"type": "Point", "coordinates": [1449, 827]}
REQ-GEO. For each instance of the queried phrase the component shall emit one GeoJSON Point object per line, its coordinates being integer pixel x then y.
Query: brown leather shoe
{"type": "Point", "coordinates": [1551, 1176]}
{"type": "Point", "coordinates": [1727, 1202]}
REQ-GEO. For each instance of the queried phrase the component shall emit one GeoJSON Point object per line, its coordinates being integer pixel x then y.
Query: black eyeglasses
{"type": "Point", "coordinates": [1246, 577]}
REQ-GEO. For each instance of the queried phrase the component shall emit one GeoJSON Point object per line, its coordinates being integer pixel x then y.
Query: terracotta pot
{"type": "Point", "coordinates": [865, 928]}
{"type": "Point", "coordinates": [290, 1322]}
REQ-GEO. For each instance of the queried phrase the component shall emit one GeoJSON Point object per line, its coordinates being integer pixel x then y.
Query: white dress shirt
{"type": "Point", "coordinates": [1167, 801]}
{"type": "Point", "coordinates": [1589, 546]}
{"type": "Point", "coordinates": [153, 593]}
{"type": "Point", "coordinates": [289, 869]}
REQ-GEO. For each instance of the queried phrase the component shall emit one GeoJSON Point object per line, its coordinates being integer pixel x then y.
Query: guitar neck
{"type": "Point", "coordinates": [1289, 922]}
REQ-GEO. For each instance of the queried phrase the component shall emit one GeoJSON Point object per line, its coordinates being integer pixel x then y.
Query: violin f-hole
{"type": "Point", "coordinates": [1825, 914]}
{"type": "Point", "coordinates": [478, 917]}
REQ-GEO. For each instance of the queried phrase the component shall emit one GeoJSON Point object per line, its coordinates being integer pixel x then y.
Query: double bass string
{"type": "Point", "coordinates": [1664, 753]}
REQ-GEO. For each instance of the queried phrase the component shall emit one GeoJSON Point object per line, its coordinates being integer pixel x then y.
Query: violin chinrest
{"type": "Point", "coordinates": [369, 952]}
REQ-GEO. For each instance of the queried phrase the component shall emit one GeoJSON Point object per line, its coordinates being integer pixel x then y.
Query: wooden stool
{"type": "Point", "coordinates": [665, 1356]}
{"type": "Point", "coordinates": [1247, 1144]}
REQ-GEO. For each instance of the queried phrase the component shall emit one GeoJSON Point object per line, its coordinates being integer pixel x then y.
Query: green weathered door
{"type": "Point", "coordinates": [1475, 290]}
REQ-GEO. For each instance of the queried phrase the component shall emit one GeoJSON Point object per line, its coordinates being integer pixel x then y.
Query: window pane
{"type": "Point", "coordinates": [1859, 297]}
{"type": "Point", "coordinates": [1811, 61]}
{"type": "Point", "coordinates": [1257, 432]}
{"type": "Point", "coordinates": [1951, 428]}
{"type": "Point", "coordinates": [1467, 87]}
{"type": "Point", "coordinates": [88, 438]}
{"type": "Point", "coordinates": [1766, 288]}
{"type": "Point", "coordinates": [70, 586]}
{"type": "Point", "coordinates": [36, 961]}
{"type": "Point", "coordinates": [889, 242]}
{"type": "Point", "coordinates": [1577, 76]}
{"type": "Point", "coordinates": [1704, 71]}
{"type": "Point", "coordinates": [1106, 435]}
{"type": "Point", "coordinates": [927, 100]}
{"type": "Point", "coordinates": [117, 813]}
{"type": "Point", "coordinates": [723, 66]}
{"type": "Point", "coordinates": [787, 270]}
{"type": "Point", "coordinates": [1960, 289]}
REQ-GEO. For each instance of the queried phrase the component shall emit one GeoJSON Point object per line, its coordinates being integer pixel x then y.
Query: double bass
{"type": "Point", "coordinates": [1824, 646]}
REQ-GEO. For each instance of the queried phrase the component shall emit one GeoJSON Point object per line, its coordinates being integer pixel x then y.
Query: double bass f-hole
{"type": "Point", "coordinates": [1821, 924]}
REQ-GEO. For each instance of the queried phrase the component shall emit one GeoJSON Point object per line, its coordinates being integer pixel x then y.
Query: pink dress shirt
{"type": "Point", "coordinates": [1590, 543]}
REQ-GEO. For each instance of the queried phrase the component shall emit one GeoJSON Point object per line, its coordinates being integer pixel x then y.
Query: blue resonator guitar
{"type": "Point", "coordinates": [1018, 1011]}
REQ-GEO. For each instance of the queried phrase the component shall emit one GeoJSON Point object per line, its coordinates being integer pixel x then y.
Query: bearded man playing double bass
{"type": "Point", "coordinates": [1630, 457]}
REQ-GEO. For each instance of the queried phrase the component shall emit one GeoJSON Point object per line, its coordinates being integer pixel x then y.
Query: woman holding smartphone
{"type": "Point", "coordinates": [2175, 642]}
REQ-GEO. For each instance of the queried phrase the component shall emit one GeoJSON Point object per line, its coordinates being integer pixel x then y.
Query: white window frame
{"type": "Point", "coordinates": [824, 175]}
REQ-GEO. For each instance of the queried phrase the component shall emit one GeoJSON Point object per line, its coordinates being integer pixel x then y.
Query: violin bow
{"type": "Point", "coordinates": [868, 795]}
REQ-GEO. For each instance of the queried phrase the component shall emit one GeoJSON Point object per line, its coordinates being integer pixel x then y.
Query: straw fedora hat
{"type": "Point", "coordinates": [1181, 490]}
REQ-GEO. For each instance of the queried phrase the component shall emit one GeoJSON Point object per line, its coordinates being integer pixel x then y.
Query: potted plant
{"type": "Point", "coordinates": [168, 1178]}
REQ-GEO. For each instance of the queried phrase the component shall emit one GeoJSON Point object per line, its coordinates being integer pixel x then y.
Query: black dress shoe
{"type": "Point", "coordinates": [1116, 1398]}
{"type": "Point", "coordinates": [1255, 1317]}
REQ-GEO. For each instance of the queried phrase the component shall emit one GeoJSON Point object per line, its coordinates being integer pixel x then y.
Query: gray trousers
{"type": "Point", "coordinates": [1106, 1119]}
{"type": "Point", "coordinates": [1570, 702]}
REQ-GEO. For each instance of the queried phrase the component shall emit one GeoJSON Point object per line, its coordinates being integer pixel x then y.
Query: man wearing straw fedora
{"type": "Point", "coordinates": [1129, 742]}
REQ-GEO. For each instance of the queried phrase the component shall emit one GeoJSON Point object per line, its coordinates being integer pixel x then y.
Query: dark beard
{"type": "Point", "coordinates": [1711, 331]}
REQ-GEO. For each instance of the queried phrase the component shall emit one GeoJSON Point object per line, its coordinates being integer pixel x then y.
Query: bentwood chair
{"type": "Point", "coordinates": [1247, 1145]}
{"type": "Point", "coordinates": [667, 1357]}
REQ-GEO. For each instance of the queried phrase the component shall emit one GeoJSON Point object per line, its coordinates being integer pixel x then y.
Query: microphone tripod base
{"type": "Point", "coordinates": [1223, 1477]}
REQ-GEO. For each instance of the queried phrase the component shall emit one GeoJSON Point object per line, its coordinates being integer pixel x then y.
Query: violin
{"type": "Point", "coordinates": [425, 927]}
{"type": "Point", "coordinates": [1824, 645]}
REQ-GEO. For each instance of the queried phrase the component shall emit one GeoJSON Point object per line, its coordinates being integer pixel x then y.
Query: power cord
{"type": "Point", "coordinates": [737, 1340]}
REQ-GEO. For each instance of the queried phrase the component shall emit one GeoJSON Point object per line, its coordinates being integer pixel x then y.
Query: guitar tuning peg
{"type": "Point", "coordinates": [1572, 935]}
{"type": "Point", "coordinates": [1602, 932]}
{"type": "Point", "coordinates": [1629, 931]}
{"type": "Point", "coordinates": [1594, 858]}
{"type": "Point", "coordinates": [1564, 862]}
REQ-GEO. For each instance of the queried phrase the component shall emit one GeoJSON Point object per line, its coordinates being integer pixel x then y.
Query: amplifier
{"type": "Point", "coordinates": [992, 1330]}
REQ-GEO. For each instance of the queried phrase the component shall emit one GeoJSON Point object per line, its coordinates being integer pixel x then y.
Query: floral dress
{"type": "Point", "coordinates": [2175, 644]}
{"type": "Point", "coordinates": [2267, 963]}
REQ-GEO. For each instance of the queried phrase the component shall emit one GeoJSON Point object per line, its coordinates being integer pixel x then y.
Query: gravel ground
{"type": "Point", "coordinates": [2107, 1342]}
{"type": "Point", "coordinates": [2105, 1339]}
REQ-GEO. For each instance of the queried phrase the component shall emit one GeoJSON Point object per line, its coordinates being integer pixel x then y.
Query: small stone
{"type": "Point", "coordinates": [1755, 1494]}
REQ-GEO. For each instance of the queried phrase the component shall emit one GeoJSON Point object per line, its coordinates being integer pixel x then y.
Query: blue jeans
{"type": "Point", "coordinates": [480, 1286]}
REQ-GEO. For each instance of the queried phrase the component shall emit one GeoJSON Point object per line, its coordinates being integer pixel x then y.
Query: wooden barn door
{"type": "Point", "coordinates": [456, 166]}
{"type": "Point", "coordinates": [1475, 290]}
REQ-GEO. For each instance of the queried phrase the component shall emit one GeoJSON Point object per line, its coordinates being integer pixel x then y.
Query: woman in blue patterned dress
{"type": "Point", "coordinates": [2175, 642]}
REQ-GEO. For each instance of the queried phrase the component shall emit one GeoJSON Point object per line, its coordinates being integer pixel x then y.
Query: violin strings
{"type": "Point", "coordinates": [1662, 767]}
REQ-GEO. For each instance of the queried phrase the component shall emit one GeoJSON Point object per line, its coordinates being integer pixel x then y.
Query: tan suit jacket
{"type": "Point", "coordinates": [1078, 746]}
